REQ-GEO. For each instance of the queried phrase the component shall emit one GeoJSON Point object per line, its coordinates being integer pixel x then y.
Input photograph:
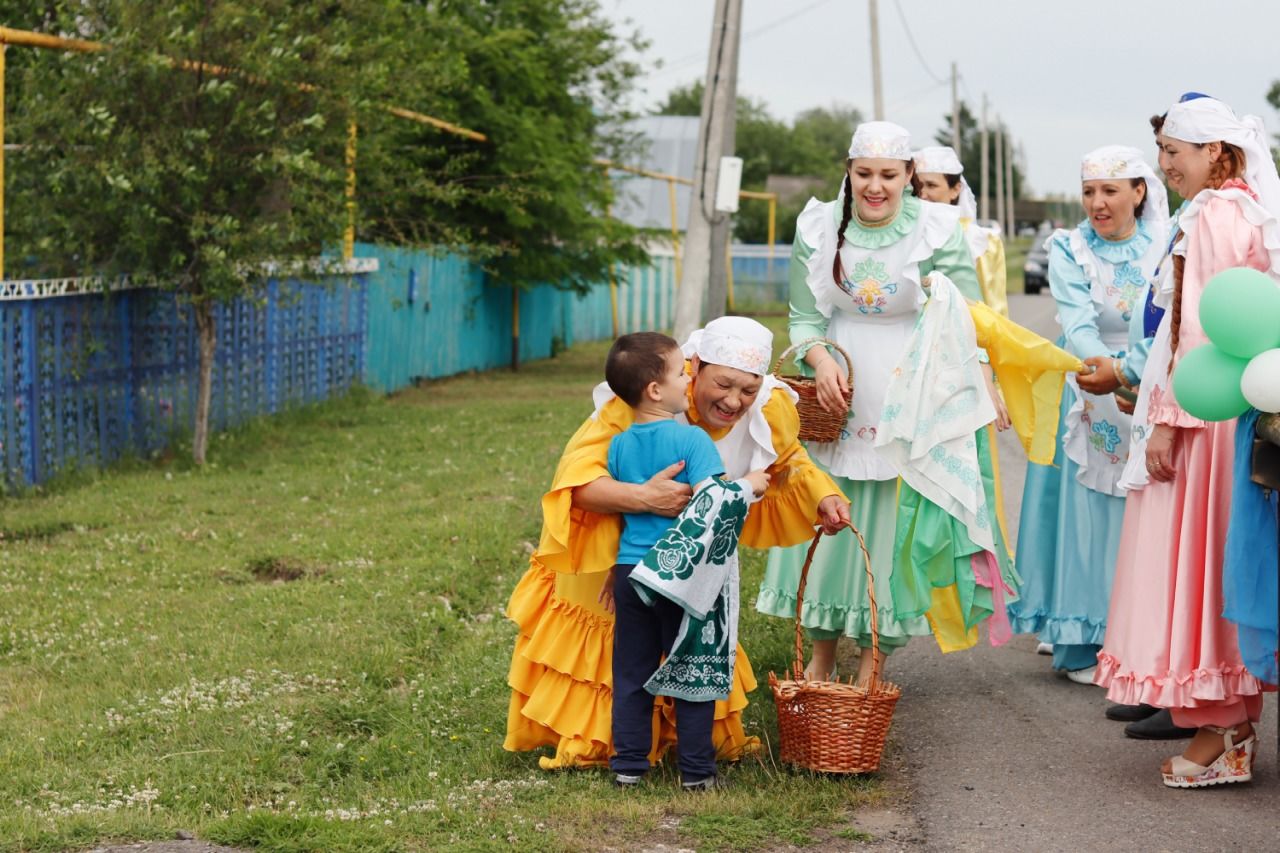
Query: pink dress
{"type": "Point", "coordinates": [1166, 642]}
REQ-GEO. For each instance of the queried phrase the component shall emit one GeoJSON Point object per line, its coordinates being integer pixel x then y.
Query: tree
{"type": "Point", "coordinates": [209, 143]}
{"type": "Point", "coordinates": [970, 152]}
{"type": "Point", "coordinates": [543, 79]}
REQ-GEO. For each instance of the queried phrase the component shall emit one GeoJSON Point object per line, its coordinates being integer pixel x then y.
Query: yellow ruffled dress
{"type": "Point", "coordinates": [561, 668]}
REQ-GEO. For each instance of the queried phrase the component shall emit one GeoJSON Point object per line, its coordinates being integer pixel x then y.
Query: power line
{"type": "Point", "coordinates": [695, 58]}
{"type": "Point", "coordinates": [912, 41]}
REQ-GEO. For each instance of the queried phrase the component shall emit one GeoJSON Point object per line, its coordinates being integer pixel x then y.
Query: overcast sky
{"type": "Point", "coordinates": [1065, 76]}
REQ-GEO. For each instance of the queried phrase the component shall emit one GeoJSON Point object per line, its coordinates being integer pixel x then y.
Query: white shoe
{"type": "Point", "coordinates": [1044, 649]}
{"type": "Point", "coordinates": [1082, 676]}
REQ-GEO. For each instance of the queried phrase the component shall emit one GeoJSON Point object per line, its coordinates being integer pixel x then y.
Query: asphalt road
{"type": "Point", "coordinates": [995, 751]}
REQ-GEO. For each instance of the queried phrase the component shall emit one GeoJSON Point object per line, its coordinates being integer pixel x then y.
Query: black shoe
{"type": "Point", "coordinates": [1130, 713]}
{"type": "Point", "coordinates": [628, 780]}
{"type": "Point", "coordinates": [710, 783]}
{"type": "Point", "coordinates": [1159, 726]}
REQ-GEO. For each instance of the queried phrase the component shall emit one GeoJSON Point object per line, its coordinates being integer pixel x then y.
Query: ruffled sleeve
{"type": "Point", "coordinates": [804, 320]}
{"type": "Point", "coordinates": [575, 540]}
{"type": "Point", "coordinates": [953, 260]}
{"type": "Point", "coordinates": [1072, 289]}
{"type": "Point", "coordinates": [787, 512]}
{"type": "Point", "coordinates": [1219, 235]}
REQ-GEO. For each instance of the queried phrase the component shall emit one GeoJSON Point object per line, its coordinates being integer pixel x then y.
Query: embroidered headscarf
{"type": "Point", "coordinates": [942, 159]}
{"type": "Point", "coordinates": [880, 139]}
{"type": "Point", "coordinates": [1118, 162]}
{"type": "Point", "coordinates": [1205, 119]}
{"type": "Point", "coordinates": [737, 342]}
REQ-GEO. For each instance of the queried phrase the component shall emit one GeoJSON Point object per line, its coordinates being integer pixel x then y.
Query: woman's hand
{"type": "Point", "coordinates": [1125, 405]}
{"type": "Point", "coordinates": [662, 495]}
{"type": "Point", "coordinates": [1102, 380]}
{"type": "Point", "coordinates": [832, 385]}
{"type": "Point", "coordinates": [997, 399]}
{"type": "Point", "coordinates": [1160, 453]}
{"type": "Point", "coordinates": [833, 514]}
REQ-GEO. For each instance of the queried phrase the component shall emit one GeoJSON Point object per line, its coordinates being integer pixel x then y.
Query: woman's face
{"type": "Point", "coordinates": [933, 187]}
{"type": "Point", "coordinates": [877, 185]}
{"type": "Point", "coordinates": [722, 395]}
{"type": "Point", "coordinates": [1110, 205]}
{"type": "Point", "coordinates": [1186, 166]}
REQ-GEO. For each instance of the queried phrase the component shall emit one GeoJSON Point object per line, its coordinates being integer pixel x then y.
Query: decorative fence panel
{"type": "Point", "coordinates": [86, 378]}
{"type": "Point", "coordinates": [434, 316]}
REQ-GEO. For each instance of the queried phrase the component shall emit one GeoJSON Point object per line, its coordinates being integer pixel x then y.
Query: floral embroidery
{"type": "Point", "coordinates": [869, 286]}
{"type": "Point", "coordinates": [1127, 288]}
{"type": "Point", "coordinates": [1105, 437]}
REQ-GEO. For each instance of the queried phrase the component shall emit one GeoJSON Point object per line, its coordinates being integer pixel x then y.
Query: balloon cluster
{"type": "Point", "coordinates": [1218, 381]}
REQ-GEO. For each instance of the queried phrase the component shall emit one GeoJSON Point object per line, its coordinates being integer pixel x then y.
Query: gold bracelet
{"type": "Point", "coordinates": [1119, 374]}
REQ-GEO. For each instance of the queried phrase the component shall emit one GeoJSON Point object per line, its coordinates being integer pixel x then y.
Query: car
{"type": "Point", "coordinates": [1035, 270]}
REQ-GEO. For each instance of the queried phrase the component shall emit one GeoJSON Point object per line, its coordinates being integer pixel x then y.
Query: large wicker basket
{"type": "Point", "coordinates": [829, 726]}
{"type": "Point", "coordinates": [816, 423]}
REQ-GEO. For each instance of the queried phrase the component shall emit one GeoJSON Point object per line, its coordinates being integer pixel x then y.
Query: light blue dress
{"type": "Point", "coordinates": [1071, 520]}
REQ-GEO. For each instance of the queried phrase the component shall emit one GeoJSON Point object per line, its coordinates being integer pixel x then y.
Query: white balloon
{"type": "Point", "coordinates": [1260, 383]}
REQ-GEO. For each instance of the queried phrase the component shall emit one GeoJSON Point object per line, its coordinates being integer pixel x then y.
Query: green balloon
{"type": "Point", "coordinates": [1240, 312]}
{"type": "Point", "coordinates": [1206, 383]}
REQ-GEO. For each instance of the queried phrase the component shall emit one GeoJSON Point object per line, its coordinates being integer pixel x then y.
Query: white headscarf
{"type": "Point", "coordinates": [1205, 120]}
{"type": "Point", "coordinates": [942, 159]}
{"type": "Point", "coordinates": [881, 139]}
{"type": "Point", "coordinates": [737, 342]}
{"type": "Point", "coordinates": [1114, 162]}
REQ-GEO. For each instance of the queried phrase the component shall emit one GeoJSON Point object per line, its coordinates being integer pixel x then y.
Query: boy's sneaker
{"type": "Point", "coordinates": [710, 783]}
{"type": "Point", "coordinates": [627, 780]}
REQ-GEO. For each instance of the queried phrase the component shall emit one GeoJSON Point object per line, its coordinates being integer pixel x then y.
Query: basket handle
{"type": "Point", "coordinates": [848, 361]}
{"type": "Point", "coordinates": [798, 666]}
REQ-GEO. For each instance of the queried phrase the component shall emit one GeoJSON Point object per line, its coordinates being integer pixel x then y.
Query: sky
{"type": "Point", "coordinates": [1066, 77]}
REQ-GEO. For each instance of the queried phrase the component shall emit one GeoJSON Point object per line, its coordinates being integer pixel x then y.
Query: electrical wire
{"type": "Point", "coordinates": [695, 58]}
{"type": "Point", "coordinates": [912, 41]}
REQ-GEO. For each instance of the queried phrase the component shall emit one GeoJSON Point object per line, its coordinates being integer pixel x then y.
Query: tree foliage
{"type": "Point", "coordinates": [208, 143]}
{"type": "Point", "coordinates": [814, 145]}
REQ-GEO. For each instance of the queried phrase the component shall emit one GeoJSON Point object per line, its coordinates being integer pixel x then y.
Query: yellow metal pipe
{"type": "Point", "coordinates": [30, 39]}
{"type": "Point", "coordinates": [757, 195]}
{"type": "Point", "coordinates": [773, 223]}
{"type": "Point", "coordinates": [728, 268]}
{"type": "Point", "coordinates": [349, 235]}
{"type": "Point", "coordinates": [675, 226]}
{"type": "Point", "coordinates": [456, 130]}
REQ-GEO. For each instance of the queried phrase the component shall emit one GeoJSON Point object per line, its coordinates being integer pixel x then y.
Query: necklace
{"type": "Point", "coordinates": [888, 220]}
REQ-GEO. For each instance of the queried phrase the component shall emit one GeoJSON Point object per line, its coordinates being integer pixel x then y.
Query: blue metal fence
{"type": "Point", "coordinates": [432, 316]}
{"type": "Point", "coordinates": [86, 378]}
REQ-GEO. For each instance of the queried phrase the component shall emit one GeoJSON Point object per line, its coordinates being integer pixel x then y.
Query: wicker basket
{"type": "Point", "coordinates": [829, 726]}
{"type": "Point", "coordinates": [816, 423]}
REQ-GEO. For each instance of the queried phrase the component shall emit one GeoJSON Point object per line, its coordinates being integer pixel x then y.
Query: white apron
{"type": "Point", "coordinates": [1098, 434]}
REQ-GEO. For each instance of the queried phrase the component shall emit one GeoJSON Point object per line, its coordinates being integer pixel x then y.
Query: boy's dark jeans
{"type": "Point", "coordinates": [641, 636]}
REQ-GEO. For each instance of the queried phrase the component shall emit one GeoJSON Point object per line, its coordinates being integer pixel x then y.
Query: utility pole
{"type": "Point", "coordinates": [1000, 177]}
{"type": "Point", "coordinates": [955, 110]}
{"type": "Point", "coordinates": [717, 106]}
{"type": "Point", "coordinates": [1008, 185]}
{"type": "Point", "coordinates": [722, 224]}
{"type": "Point", "coordinates": [984, 211]}
{"type": "Point", "coordinates": [877, 87]}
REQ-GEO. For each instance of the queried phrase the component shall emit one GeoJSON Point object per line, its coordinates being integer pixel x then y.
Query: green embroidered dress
{"type": "Point", "coordinates": [871, 313]}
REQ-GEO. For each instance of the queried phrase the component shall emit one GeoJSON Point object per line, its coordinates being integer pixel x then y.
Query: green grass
{"type": "Point", "coordinates": [301, 646]}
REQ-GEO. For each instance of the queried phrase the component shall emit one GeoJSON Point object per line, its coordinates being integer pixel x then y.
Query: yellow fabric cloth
{"type": "Point", "coordinates": [992, 275]}
{"type": "Point", "coordinates": [561, 668]}
{"type": "Point", "coordinates": [1031, 371]}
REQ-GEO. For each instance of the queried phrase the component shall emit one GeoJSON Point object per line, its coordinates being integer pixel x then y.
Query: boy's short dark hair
{"type": "Point", "coordinates": [634, 361]}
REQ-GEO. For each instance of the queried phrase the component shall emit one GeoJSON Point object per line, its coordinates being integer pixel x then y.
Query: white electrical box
{"type": "Point", "coordinates": [728, 184]}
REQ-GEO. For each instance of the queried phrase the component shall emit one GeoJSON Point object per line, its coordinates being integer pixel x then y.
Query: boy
{"type": "Point", "coordinates": [646, 371]}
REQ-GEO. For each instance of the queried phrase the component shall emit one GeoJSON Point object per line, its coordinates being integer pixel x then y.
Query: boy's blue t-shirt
{"type": "Point", "coordinates": [642, 451]}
